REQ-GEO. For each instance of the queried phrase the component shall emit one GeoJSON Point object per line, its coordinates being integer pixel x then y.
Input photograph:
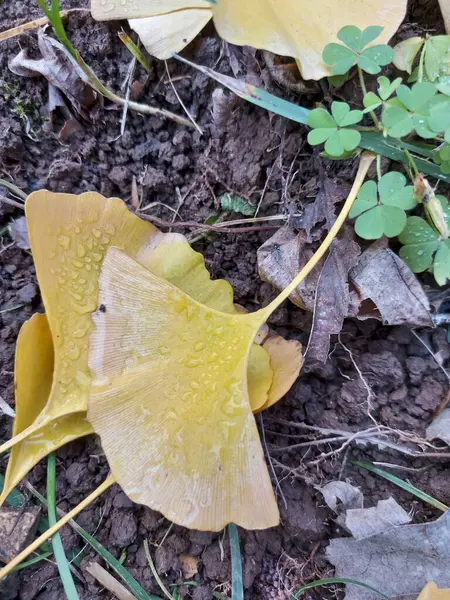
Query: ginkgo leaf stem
{"type": "Point", "coordinates": [365, 162]}
{"type": "Point", "coordinates": [109, 481]}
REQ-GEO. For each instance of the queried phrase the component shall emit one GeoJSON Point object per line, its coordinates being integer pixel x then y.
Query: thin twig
{"type": "Point", "coordinates": [194, 225]}
{"type": "Point", "coordinates": [191, 118]}
{"type": "Point", "coordinates": [6, 200]}
{"type": "Point", "coordinates": [269, 458]}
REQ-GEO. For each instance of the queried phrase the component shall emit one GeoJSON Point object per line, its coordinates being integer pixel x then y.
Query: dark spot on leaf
{"type": "Point", "coordinates": [102, 308]}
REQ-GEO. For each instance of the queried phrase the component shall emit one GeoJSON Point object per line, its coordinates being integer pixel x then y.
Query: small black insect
{"type": "Point", "coordinates": [102, 308]}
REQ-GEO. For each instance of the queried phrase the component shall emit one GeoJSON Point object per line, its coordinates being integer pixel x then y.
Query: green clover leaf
{"type": "Point", "coordinates": [385, 90]}
{"type": "Point", "coordinates": [331, 128]}
{"type": "Point", "coordinates": [413, 115]}
{"type": "Point", "coordinates": [439, 119]}
{"type": "Point", "coordinates": [341, 58]}
{"type": "Point", "coordinates": [420, 242]}
{"type": "Point", "coordinates": [442, 158]}
{"type": "Point", "coordinates": [423, 247]}
{"type": "Point", "coordinates": [380, 209]}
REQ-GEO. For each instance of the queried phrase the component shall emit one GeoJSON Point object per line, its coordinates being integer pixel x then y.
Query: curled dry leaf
{"type": "Point", "coordinates": [422, 552]}
{"type": "Point", "coordinates": [332, 296]}
{"type": "Point", "coordinates": [68, 265]}
{"type": "Point", "coordinates": [384, 278]}
{"type": "Point", "coordinates": [61, 70]}
{"type": "Point", "coordinates": [282, 257]}
{"type": "Point", "coordinates": [445, 10]}
{"type": "Point", "coordinates": [302, 29]}
{"type": "Point", "coordinates": [348, 496]}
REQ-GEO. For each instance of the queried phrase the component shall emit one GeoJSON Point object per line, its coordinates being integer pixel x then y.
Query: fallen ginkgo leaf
{"type": "Point", "coordinates": [297, 28]}
{"type": "Point", "coordinates": [33, 375]}
{"type": "Point", "coordinates": [79, 245]}
{"type": "Point", "coordinates": [170, 386]}
{"type": "Point", "coordinates": [432, 592]}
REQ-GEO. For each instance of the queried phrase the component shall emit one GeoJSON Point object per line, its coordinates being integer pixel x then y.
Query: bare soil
{"type": "Point", "coordinates": [257, 155]}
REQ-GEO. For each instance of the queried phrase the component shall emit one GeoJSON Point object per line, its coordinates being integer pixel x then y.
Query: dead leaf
{"type": "Point", "coordinates": [61, 70]}
{"type": "Point", "coordinates": [19, 232]}
{"type": "Point", "coordinates": [398, 562]}
{"type": "Point", "coordinates": [432, 592]}
{"type": "Point", "coordinates": [17, 530]}
{"type": "Point", "coordinates": [282, 257]}
{"type": "Point", "coordinates": [322, 209]}
{"type": "Point", "coordinates": [10, 33]}
{"type": "Point", "coordinates": [440, 427]}
{"type": "Point", "coordinates": [332, 296]}
{"type": "Point", "coordinates": [365, 522]}
{"type": "Point", "coordinates": [383, 277]}
{"type": "Point", "coordinates": [348, 495]}
{"type": "Point", "coordinates": [189, 565]}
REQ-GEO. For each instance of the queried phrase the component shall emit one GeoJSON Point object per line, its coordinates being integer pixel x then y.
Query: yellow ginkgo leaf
{"type": "Point", "coordinates": [33, 380]}
{"type": "Point", "coordinates": [163, 35]}
{"type": "Point", "coordinates": [68, 249]}
{"type": "Point", "coordinates": [432, 592]}
{"type": "Point", "coordinates": [297, 28]}
{"type": "Point", "coordinates": [286, 360]}
{"type": "Point", "coordinates": [170, 387]}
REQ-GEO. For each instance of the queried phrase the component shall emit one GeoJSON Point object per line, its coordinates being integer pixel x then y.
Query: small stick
{"type": "Point", "coordinates": [109, 582]}
{"type": "Point", "coordinates": [194, 225]}
{"type": "Point", "coordinates": [109, 481]}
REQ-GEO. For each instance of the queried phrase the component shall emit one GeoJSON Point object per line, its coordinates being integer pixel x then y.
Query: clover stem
{"type": "Point", "coordinates": [412, 164]}
{"type": "Point", "coordinates": [379, 166]}
{"type": "Point", "coordinates": [364, 164]}
{"type": "Point", "coordinates": [109, 481]}
{"type": "Point", "coordinates": [362, 83]}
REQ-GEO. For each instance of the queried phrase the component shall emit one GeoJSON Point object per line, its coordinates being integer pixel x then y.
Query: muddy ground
{"type": "Point", "coordinates": [256, 155]}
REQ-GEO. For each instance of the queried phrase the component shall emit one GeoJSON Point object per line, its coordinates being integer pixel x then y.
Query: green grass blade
{"type": "Point", "coordinates": [370, 140]}
{"type": "Point", "coordinates": [58, 550]}
{"type": "Point", "coordinates": [394, 149]}
{"type": "Point", "coordinates": [32, 561]}
{"type": "Point", "coordinates": [135, 51]}
{"type": "Point", "coordinates": [255, 95]}
{"type": "Point", "coordinates": [115, 565]}
{"type": "Point", "coordinates": [237, 587]}
{"type": "Point", "coordinates": [408, 487]}
{"type": "Point", "coordinates": [332, 580]}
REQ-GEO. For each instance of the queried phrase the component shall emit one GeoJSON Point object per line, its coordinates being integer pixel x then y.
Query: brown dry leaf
{"type": "Point", "coordinates": [282, 257]}
{"type": "Point", "coordinates": [189, 565]}
{"type": "Point", "coordinates": [61, 70]}
{"type": "Point", "coordinates": [398, 562]}
{"type": "Point", "coordinates": [440, 427]}
{"type": "Point", "coordinates": [432, 592]}
{"type": "Point", "coordinates": [383, 277]}
{"type": "Point", "coordinates": [332, 296]}
{"type": "Point", "coordinates": [322, 209]}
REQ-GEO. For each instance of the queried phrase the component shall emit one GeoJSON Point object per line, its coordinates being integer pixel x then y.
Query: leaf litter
{"type": "Point", "coordinates": [398, 561]}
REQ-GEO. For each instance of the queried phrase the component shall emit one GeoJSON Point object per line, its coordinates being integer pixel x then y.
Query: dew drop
{"type": "Point", "coordinates": [419, 252]}
{"type": "Point", "coordinates": [64, 241]}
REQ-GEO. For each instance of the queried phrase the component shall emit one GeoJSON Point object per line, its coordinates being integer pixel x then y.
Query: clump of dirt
{"type": "Point", "coordinates": [373, 372]}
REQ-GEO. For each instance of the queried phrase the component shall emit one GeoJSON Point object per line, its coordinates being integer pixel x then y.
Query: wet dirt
{"type": "Point", "coordinates": [244, 151]}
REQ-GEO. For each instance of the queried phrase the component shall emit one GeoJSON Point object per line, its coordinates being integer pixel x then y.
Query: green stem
{"type": "Point", "coordinates": [237, 588]}
{"type": "Point", "coordinates": [364, 90]}
{"type": "Point", "coordinates": [14, 189]}
{"type": "Point", "coordinates": [365, 162]}
{"type": "Point", "coordinates": [58, 549]}
{"type": "Point", "coordinates": [421, 63]}
{"type": "Point", "coordinates": [378, 167]}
